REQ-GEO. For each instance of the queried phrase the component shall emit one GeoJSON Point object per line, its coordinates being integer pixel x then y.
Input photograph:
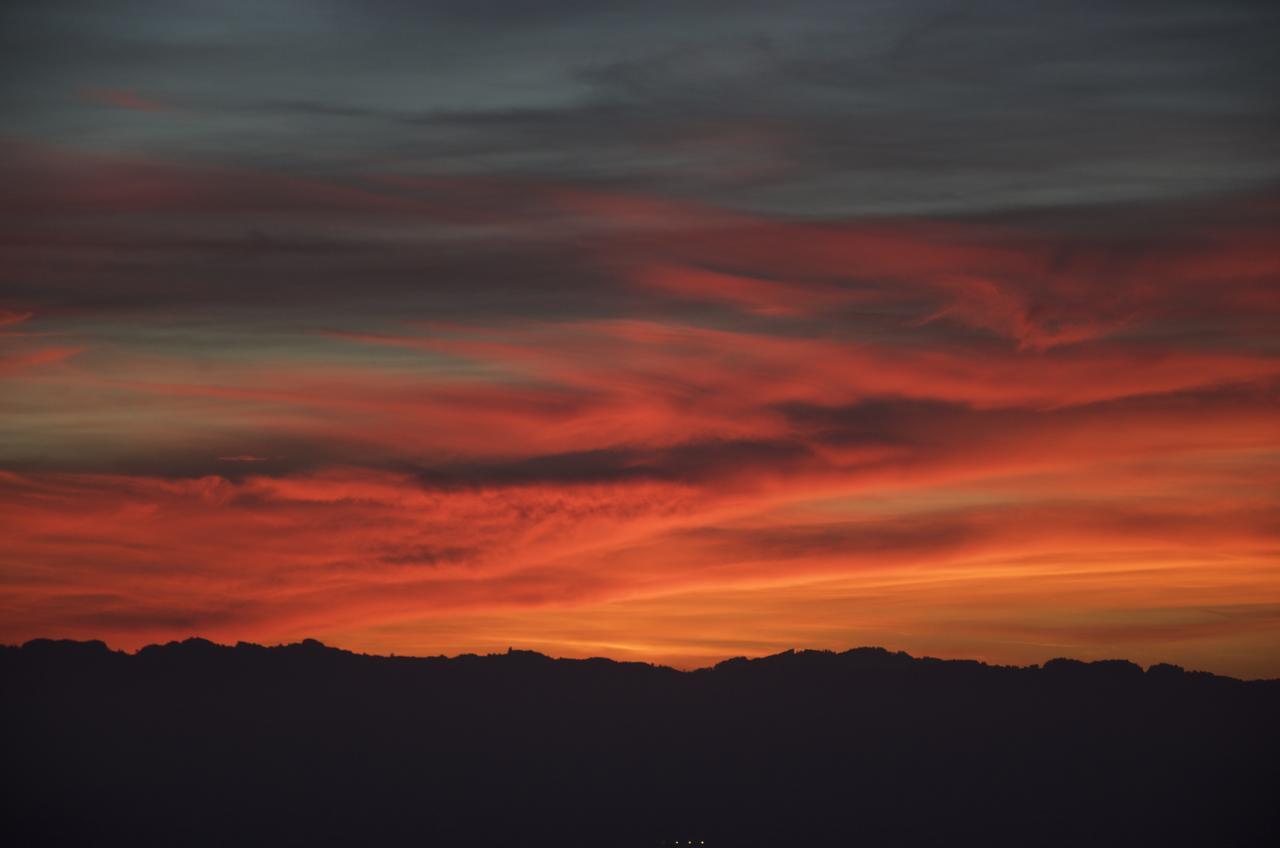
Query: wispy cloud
{"type": "Point", "coordinates": [123, 99]}
{"type": "Point", "coordinates": [950, 329]}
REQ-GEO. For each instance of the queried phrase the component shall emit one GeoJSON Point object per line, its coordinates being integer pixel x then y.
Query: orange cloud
{"type": "Point", "coordinates": [270, 557]}
{"type": "Point", "coordinates": [736, 435]}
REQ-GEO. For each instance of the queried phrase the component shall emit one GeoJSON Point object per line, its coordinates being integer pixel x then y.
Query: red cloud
{"type": "Point", "coordinates": [9, 317]}
{"type": "Point", "coordinates": [122, 99]}
{"type": "Point", "coordinates": [37, 357]}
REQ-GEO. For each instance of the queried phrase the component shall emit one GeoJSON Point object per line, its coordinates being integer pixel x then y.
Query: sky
{"type": "Point", "coordinates": [659, 331]}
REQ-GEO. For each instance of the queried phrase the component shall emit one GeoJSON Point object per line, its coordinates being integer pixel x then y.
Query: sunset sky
{"type": "Point", "coordinates": [660, 331]}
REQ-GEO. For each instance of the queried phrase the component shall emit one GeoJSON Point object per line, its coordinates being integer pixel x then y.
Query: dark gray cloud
{"type": "Point", "coordinates": [696, 462]}
{"type": "Point", "coordinates": [811, 108]}
{"type": "Point", "coordinates": [237, 154]}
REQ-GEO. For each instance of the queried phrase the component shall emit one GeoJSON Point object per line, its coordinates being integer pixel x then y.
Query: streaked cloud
{"type": "Point", "coordinates": [645, 330]}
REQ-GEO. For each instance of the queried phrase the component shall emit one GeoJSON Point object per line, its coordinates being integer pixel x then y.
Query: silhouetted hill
{"type": "Point", "coordinates": [194, 743]}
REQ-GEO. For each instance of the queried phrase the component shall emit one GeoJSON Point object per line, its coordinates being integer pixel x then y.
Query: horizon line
{"type": "Point", "coordinates": [309, 641]}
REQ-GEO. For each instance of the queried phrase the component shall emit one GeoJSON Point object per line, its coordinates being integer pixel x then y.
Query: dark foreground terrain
{"type": "Point", "coordinates": [198, 744]}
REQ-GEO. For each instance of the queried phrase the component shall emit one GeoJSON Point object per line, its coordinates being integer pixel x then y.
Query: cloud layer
{"type": "Point", "coordinates": [671, 335]}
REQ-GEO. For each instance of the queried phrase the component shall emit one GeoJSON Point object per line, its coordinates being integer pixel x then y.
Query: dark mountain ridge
{"type": "Point", "coordinates": [193, 743]}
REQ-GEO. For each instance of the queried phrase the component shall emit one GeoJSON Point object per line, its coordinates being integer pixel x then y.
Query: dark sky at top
{"type": "Point", "coordinates": [803, 108]}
